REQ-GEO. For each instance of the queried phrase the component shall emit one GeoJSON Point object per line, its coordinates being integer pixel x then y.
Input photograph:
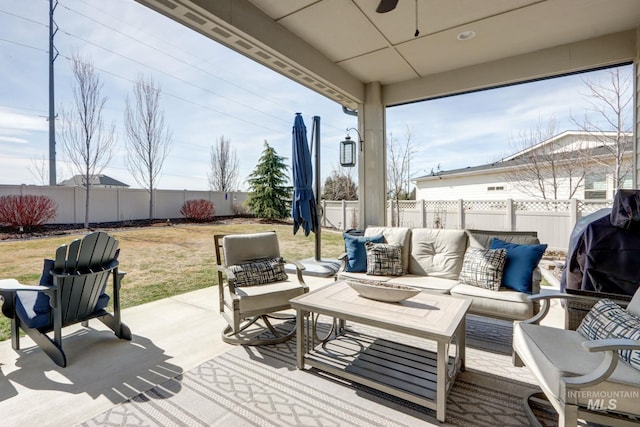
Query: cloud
{"type": "Point", "coordinates": [13, 139]}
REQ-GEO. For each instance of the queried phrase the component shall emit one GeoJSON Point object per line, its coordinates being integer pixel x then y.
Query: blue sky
{"type": "Point", "coordinates": [210, 91]}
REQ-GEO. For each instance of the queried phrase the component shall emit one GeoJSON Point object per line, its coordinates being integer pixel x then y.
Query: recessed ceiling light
{"type": "Point", "coordinates": [466, 35]}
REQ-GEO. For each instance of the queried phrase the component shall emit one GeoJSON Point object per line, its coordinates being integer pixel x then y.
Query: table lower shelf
{"type": "Point", "coordinates": [398, 369]}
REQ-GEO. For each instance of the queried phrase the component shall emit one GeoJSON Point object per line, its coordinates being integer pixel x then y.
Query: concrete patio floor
{"type": "Point", "coordinates": [171, 336]}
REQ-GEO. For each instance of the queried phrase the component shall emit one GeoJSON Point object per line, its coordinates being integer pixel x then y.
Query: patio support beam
{"type": "Point", "coordinates": [602, 51]}
{"type": "Point", "coordinates": [372, 174]}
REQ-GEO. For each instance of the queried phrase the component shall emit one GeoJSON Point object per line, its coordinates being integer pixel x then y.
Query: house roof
{"type": "Point", "coordinates": [519, 158]}
{"type": "Point", "coordinates": [77, 181]}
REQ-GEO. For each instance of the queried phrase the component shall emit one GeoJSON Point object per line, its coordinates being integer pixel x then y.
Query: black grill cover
{"type": "Point", "coordinates": [604, 249]}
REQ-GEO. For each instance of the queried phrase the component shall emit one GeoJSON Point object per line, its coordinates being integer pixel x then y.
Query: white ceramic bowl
{"type": "Point", "coordinates": [384, 291]}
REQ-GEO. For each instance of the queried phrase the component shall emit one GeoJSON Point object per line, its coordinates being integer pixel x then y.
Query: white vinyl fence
{"type": "Point", "coordinates": [124, 204]}
{"type": "Point", "coordinates": [552, 220]}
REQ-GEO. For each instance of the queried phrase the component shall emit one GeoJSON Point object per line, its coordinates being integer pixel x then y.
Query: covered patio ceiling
{"type": "Point", "coordinates": [336, 47]}
{"type": "Point", "coordinates": [367, 61]}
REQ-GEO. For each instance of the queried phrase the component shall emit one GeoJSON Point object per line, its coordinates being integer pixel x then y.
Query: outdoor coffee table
{"type": "Point", "coordinates": [415, 374]}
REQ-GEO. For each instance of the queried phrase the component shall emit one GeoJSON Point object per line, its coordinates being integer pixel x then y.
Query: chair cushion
{"type": "Point", "coordinates": [606, 319]}
{"type": "Point", "coordinates": [483, 267]}
{"type": "Point", "coordinates": [551, 353]}
{"type": "Point", "coordinates": [266, 298]}
{"type": "Point", "coordinates": [25, 309]}
{"type": "Point", "coordinates": [356, 252]}
{"type": "Point", "coordinates": [244, 248]}
{"type": "Point", "coordinates": [395, 236]}
{"type": "Point", "coordinates": [520, 263]}
{"type": "Point", "coordinates": [437, 252]}
{"type": "Point", "coordinates": [260, 272]}
{"type": "Point", "coordinates": [41, 304]}
{"type": "Point", "coordinates": [383, 259]}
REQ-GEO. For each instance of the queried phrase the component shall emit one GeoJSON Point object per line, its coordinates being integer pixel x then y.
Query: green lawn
{"type": "Point", "coordinates": [160, 261]}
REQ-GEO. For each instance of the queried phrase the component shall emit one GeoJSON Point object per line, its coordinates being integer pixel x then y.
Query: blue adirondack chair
{"type": "Point", "coordinates": [78, 279]}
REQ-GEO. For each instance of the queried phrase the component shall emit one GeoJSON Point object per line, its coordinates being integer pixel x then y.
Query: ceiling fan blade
{"type": "Point", "coordinates": [386, 6]}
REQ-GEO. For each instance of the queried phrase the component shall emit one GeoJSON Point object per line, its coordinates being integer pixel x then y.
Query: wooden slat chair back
{"type": "Point", "coordinates": [81, 271]}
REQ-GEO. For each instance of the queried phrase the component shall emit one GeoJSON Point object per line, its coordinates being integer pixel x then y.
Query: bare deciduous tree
{"type": "Point", "coordinates": [543, 171]}
{"type": "Point", "coordinates": [39, 171]}
{"type": "Point", "coordinates": [148, 138]}
{"type": "Point", "coordinates": [611, 103]}
{"type": "Point", "coordinates": [87, 142]}
{"type": "Point", "coordinates": [340, 185]}
{"type": "Point", "coordinates": [399, 168]}
{"type": "Point", "coordinates": [223, 175]}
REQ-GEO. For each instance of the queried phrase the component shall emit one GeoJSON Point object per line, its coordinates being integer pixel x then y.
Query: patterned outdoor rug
{"type": "Point", "coordinates": [261, 386]}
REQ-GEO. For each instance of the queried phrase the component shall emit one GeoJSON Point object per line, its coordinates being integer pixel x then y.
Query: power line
{"type": "Point", "coordinates": [23, 45]}
{"type": "Point", "coordinates": [24, 18]}
{"type": "Point", "coordinates": [188, 64]}
{"type": "Point", "coordinates": [203, 70]}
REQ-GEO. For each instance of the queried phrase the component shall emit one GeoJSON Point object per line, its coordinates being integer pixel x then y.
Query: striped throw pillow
{"type": "Point", "coordinates": [483, 268]}
{"type": "Point", "coordinates": [383, 259]}
{"type": "Point", "coordinates": [606, 319]}
{"type": "Point", "coordinates": [261, 272]}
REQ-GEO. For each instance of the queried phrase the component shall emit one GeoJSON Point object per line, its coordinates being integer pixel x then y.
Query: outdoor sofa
{"type": "Point", "coordinates": [456, 262]}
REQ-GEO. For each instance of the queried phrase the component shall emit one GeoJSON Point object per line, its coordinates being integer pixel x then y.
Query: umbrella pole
{"type": "Point", "coordinates": [315, 135]}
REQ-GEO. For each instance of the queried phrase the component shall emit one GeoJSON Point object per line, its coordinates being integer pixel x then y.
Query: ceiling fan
{"type": "Point", "coordinates": [386, 6]}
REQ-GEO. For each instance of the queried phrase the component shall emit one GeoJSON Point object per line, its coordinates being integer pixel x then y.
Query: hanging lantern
{"type": "Point", "coordinates": [347, 152]}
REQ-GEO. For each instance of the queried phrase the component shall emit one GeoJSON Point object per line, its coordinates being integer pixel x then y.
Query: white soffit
{"type": "Point", "coordinates": [333, 46]}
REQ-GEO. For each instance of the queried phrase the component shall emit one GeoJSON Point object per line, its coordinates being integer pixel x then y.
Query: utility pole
{"type": "Point", "coordinates": [53, 54]}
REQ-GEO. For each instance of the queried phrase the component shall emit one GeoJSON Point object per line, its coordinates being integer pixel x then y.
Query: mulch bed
{"type": "Point", "coordinates": [52, 230]}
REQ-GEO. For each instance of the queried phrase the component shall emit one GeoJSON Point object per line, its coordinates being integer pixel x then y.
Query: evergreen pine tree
{"type": "Point", "coordinates": [269, 198]}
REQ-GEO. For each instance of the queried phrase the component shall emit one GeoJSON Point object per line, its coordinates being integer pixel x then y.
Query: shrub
{"type": "Point", "coordinates": [198, 210]}
{"type": "Point", "coordinates": [26, 210]}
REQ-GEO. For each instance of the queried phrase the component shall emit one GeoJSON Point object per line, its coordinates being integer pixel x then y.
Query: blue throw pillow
{"type": "Point", "coordinates": [521, 261]}
{"type": "Point", "coordinates": [42, 301]}
{"type": "Point", "coordinates": [356, 252]}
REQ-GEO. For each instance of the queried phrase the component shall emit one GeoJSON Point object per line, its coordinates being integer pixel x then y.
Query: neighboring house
{"type": "Point", "coordinates": [501, 180]}
{"type": "Point", "coordinates": [97, 181]}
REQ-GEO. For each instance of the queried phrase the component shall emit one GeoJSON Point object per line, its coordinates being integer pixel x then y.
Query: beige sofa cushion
{"type": "Point", "coordinates": [503, 303]}
{"type": "Point", "coordinates": [347, 275]}
{"type": "Point", "coordinates": [482, 239]}
{"type": "Point", "coordinates": [395, 236]}
{"type": "Point", "coordinates": [436, 285]}
{"type": "Point", "coordinates": [552, 353]}
{"type": "Point", "coordinates": [437, 252]}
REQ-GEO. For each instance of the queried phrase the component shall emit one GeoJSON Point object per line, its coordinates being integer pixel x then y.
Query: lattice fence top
{"type": "Point", "coordinates": [587, 207]}
{"type": "Point", "coordinates": [440, 204]}
{"type": "Point", "coordinates": [542, 205]}
{"type": "Point", "coordinates": [406, 204]}
{"type": "Point", "coordinates": [484, 205]}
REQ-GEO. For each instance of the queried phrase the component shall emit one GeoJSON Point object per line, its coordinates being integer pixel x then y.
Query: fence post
{"type": "Point", "coordinates": [461, 223]}
{"type": "Point", "coordinates": [423, 214]}
{"type": "Point", "coordinates": [573, 213]}
{"type": "Point", "coordinates": [344, 214]}
{"type": "Point", "coordinates": [324, 213]}
{"type": "Point", "coordinates": [510, 215]}
{"type": "Point", "coordinates": [118, 213]}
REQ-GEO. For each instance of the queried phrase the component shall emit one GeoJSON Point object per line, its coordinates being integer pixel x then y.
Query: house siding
{"type": "Point", "coordinates": [490, 182]}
